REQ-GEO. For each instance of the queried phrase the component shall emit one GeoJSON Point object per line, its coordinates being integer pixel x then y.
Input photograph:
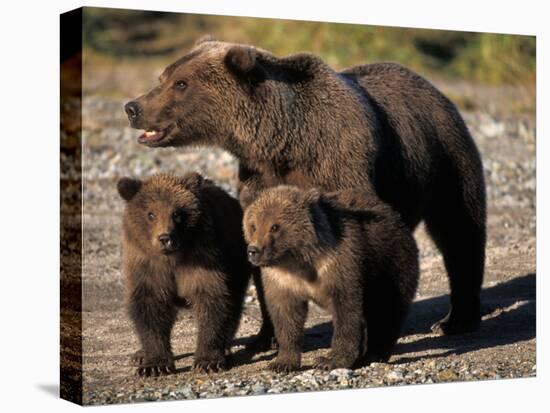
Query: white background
{"type": "Point", "coordinates": [29, 211]}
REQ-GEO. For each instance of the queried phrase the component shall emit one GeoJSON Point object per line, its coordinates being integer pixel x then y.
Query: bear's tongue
{"type": "Point", "coordinates": [151, 136]}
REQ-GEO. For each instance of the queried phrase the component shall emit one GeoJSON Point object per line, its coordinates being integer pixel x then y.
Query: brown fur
{"type": "Point", "coordinates": [203, 266]}
{"type": "Point", "coordinates": [378, 127]}
{"type": "Point", "coordinates": [345, 251]}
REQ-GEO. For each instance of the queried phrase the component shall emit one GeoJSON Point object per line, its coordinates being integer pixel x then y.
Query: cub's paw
{"type": "Point", "coordinates": [137, 358]}
{"type": "Point", "coordinates": [209, 364]}
{"type": "Point", "coordinates": [156, 366]}
{"type": "Point", "coordinates": [331, 363]}
{"type": "Point", "coordinates": [283, 366]}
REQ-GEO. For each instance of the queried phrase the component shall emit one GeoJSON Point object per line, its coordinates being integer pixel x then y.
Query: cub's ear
{"type": "Point", "coordinates": [241, 59]}
{"type": "Point", "coordinates": [312, 196]}
{"type": "Point", "coordinates": [128, 187]}
{"type": "Point", "coordinates": [204, 39]}
{"type": "Point", "coordinates": [317, 214]}
{"type": "Point", "coordinates": [193, 181]}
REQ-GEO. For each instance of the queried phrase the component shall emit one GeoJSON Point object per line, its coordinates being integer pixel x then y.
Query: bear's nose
{"type": "Point", "coordinates": [253, 253]}
{"type": "Point", "coordinates": [133, 110]}
{"type": "Point", "coordinates": [166, 240]}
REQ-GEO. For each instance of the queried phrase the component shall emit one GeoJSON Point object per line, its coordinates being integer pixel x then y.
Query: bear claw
{"type": "Point", "coordinates": [155, 371]}
{"type": "Point", "coordinates": [137, 357]}
{"type": "Point", "coordinates": [329, 363]}
{"type": "Point", "coordinates": [282, 367]}
{"type": "Point", "coordinates": [154, 367]}
{"type": "Point", "coordinates": [209, 366]}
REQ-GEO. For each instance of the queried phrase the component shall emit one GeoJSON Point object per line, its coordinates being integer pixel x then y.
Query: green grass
{"type": "Point", "coordinates": [494, 59]}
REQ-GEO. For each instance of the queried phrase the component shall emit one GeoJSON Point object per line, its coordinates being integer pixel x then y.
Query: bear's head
{"type": "Point", "coordinates": [216, 94]}
{"type": "Point", "coordinates": [162, 212]}
{"type": "Point", "coordinates": [283, 224]}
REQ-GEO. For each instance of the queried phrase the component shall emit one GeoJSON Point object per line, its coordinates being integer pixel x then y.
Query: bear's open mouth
{"type": "Point", "coordinates": [153, 135]}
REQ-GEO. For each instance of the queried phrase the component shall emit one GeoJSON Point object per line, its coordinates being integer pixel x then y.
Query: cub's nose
{"type": "Point", "coordinates": [133, 110]}
{"type": "Point", "coordinates": [253, 253]}
{"type": "Point", "coordinates": [166, 241]}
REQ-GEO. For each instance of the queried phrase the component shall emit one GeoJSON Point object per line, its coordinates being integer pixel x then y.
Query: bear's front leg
{"type": "Point", "coordinates": [265, 339]}
{"type": "Point", "coordinates": [346, 338]}
{"type": "Point", "coordinates": [288, 314]}
{"type": "Point", "coordinates": [153, 315]}
{"type": "Point", "coordinates": [215, 322]}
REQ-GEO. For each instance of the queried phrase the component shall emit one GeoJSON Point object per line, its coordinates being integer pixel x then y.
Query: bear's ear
{"type": "Point", "coordinates": [241, 59]}
{"type": "Point", "coordinates": [128, 188]}
{"type": "Point", "coordinates": [312, 196]}
{"type": "Point", "coordinates": [204, 39]}
{"type": "Point", "coordinates": [193, 182]}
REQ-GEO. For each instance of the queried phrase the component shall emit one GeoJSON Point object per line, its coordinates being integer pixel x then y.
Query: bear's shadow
{"type": "Point", "coordinates": [509, 311]}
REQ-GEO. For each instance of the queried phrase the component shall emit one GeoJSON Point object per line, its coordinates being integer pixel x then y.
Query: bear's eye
{"type": "Point", "coordinates": [252, 228]}
{"type": "Point", "coordinates": [274, 228]}
{"type": "Point", "coordinates": [151, 216]}
{"type": "Point", "coordinates": [180, 84]}
{"type": "Point", "coordinates": [177, 217]}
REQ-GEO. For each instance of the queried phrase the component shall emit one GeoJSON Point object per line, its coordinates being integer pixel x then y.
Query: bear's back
{"type": "Point", "coordinates": [374, 224]}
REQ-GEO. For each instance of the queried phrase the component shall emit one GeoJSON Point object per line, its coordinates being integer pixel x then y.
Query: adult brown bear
{"type": "Point", "coordinates": [296, 121]}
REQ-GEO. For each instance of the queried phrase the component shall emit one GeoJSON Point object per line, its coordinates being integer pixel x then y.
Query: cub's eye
{"type": "Point", "coordinates": [177, 217]}
{"type": "Point", "coordinates": [180, 84]}
{"type": "Point", "coordinates": [151, 216]}
{"type": "Point", "coordinates": [274, 228]}
{"type": "Point", "coordinates": [252, 228]}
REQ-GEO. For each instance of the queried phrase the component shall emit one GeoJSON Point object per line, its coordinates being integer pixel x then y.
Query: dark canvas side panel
{"type": "Point", "coordinates": [71, 206]}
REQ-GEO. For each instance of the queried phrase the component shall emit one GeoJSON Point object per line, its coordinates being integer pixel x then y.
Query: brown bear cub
{"type": "Point", "coordinates": [182, 245]}
{"type": "Point", "coordinates": [346, 251]}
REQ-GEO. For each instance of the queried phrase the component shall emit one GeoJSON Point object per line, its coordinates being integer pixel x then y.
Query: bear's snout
{"type": "Point", "coordinates": [134, 110]}
{"type": "Point", "coordinates": [254, 253]}
{"type": "Point", "coordinates": [167, 243]}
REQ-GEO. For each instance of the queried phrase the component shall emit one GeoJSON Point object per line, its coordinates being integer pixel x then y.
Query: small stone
{"type": "Point", "coordinates": [344, 382]}
{"type": "Point", "coordinates": [340, 374]}
{"type": "Point", "coordinates": [187, 392]}
{"type": "Point", "coordinates": [394, 376]}
{"type": "Point", "coordinates": [447, 375]}
{"type": "Point", "coordinates": [492, 129]}
{"type": "Point", "coordinates": [258, 389]}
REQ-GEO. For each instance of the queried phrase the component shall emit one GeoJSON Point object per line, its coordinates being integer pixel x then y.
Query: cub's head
{"type": "Point", "coordinates": [162, 212]}
{"type": "Point", "coordinates": [282, 224]}
{"type": "Point", "coordinates": [197, 96]}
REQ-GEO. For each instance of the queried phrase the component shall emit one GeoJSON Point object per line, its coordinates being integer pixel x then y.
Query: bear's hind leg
{"type": "Point", "coordinates": [347, 321]}
{"type": "Point", "coordinates": [384, 314]}
{"type": "Point", "coordinates": [457, 226]}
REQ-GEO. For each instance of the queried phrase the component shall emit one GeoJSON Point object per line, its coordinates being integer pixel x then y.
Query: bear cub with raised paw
{"type": "Point", "coordinates": [346, 251]}
{"type": "Point", "coordinates": [183, 246]}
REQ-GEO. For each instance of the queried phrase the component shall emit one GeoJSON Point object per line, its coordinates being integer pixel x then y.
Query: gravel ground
{"type": "Point", "coordinates": [504, 347]}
